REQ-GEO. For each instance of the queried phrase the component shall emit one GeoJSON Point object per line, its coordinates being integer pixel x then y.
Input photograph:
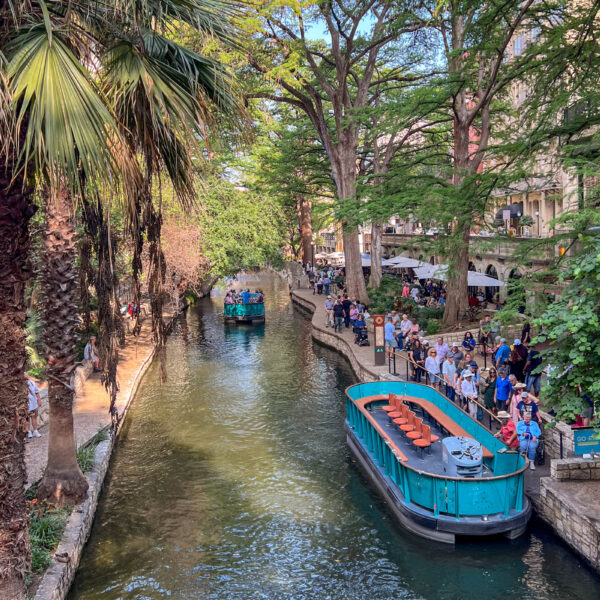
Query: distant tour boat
{"type": "Point", "coordinates": [253, 312]}
{"type": "Point", "coordinates": [442, 473]}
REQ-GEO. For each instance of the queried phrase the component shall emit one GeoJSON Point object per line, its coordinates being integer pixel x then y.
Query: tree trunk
{"type": "Point", "coordinates": [63, 482]}
{"type": "Point", "coordinates": [305, 221]}
{"type": "Point", "coordinates": [457, 297]}
{"type": "Point", "coordinates": [376, 255]}
{"type": "Point", "coordinates": [16, 209]}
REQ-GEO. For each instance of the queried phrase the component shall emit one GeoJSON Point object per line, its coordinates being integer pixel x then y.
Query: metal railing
{"type": "Point", "coordinates": [420, 372]}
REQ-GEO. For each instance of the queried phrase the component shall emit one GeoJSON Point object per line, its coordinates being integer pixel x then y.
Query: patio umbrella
{"type": "Point", "coordinates": [474, 279]}
{"type": "Point", "coordinates": [402, 262]}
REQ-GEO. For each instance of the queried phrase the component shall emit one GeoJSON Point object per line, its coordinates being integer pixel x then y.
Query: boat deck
{"type": "Point", "coordinates": [431, 462]}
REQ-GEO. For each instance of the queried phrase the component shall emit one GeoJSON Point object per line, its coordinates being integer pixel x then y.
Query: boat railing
{"type": "Point", "coordinates": [494, 423]}
{"type": "Point", "coordinates": [441, 494]}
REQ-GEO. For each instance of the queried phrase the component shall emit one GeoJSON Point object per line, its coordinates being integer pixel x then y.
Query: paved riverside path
{"type": "Point", "coordinates": [90, 411]}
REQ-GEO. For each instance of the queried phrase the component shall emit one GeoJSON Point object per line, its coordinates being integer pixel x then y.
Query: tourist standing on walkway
{"type": "Point", "coordinates": [353, 315]}
{"type": "Point", "coordinates": [390, 337]}
{"type": "Point", "coordinates": [469, 393]}
{"type": "Point", "coordinates": [502, 354]}
{"type": "Point", "coordinates": [456, 353]}
{"type": "Point", "coordinates": [448, 372]}
{"type": "Point", "coordinates": [526, 333]}
{"type": "Point", "coordinates": [338, 316]}
{"type": "Point", "coordinates": [489, 389]}
{"type": "Point", "coordinates": [529, 434]}
{"type": "Point", "coordinates": [432, 365]}
{"type": "Point", "coordinates": [405, 329]}
{"type": "Point", "coordinates": [329, 311]}
{"type": "Point", "coordinates": [405, 290]}
{"type": "Point", "coordinates": [517, 359]}
{"type": "Point", "coordinates": [469, 342]}
{"type": "Point", "coordinates": [416, 358]}
{"type": "Point", "coordinates": [442, 349]}
{"type": "Point", "coordinates": [346, 304]}
{"type": "Point", "coordinates": [527, 406]}
{"type": "Point", "coordinates": [533, 380]}
{"type": "Point", "coordinates": [502, 391]}
{"type": "Point", "coordinates": [35, 400]}
{"type": "Point", "coordinates": [326, 284]}
{"type": "Point", "coordinates": [485, 329]}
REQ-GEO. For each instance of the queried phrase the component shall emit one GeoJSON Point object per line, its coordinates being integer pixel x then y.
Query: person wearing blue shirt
{"type": "Point", "coordinates": [503, 389]}
{"type": "Point", "coordinates": [502, 353]}
{"type": "Point", "coordinates": [529, 433]}
{"type": "Point", "coordinates": [390, 337]}
{"type": "Point", "coordinates": [246, 296]}
{"type": "Point", "coordinates": [326, 284]}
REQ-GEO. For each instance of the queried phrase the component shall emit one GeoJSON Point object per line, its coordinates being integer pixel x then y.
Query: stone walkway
{"type": "Point", "coordinates": [90, 412]}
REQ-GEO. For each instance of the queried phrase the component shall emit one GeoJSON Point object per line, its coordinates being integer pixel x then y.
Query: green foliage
{"type": "Point", "coordinates": [46, 526]}
{"type": "Point", "coordinates": [570, 325]}
{"type": "Point", "coordinates": [386, 296]}
{"type": "Point", "coordinates": [432, 327]}
{"type": "Point", "coordinates": [36, 363]}
{"type": "Point", "coordinates": [85, 457]}
{"type": "Point", "coordinates": [240, 228]}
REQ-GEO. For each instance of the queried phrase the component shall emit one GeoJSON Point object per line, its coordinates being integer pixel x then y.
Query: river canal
{"type": "Point", "coordinates": [232, 481]}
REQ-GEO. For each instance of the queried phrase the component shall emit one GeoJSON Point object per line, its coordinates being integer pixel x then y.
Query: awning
{"type": "Point", "coordinates": [402, 262]}
{"type": "Point", "coordinates": [474, 279]}
{"type": "Point", "coordinates": [321, 256]}
{"type": "Point", "coordinates": [514, 209]}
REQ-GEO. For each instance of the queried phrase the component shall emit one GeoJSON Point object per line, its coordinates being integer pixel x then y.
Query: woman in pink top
{"type": "Point", "coordinates": [405, 291]}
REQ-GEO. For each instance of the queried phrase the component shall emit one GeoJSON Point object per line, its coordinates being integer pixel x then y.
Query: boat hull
{"type": "Point", "coordinates": [421, 521]}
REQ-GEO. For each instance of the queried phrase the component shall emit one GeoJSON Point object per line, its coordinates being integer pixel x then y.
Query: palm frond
{"type": "Point", "coordinates": [68, 126]}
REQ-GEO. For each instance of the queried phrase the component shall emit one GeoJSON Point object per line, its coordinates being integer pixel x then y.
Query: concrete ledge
{"type": "Point", "coordinates": [59, 576]}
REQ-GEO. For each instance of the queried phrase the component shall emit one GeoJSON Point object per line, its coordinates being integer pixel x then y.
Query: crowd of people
{"type": "Point", "coordinates": [321, 278]}
{"type": "Point", "coordinates": [244, 297]}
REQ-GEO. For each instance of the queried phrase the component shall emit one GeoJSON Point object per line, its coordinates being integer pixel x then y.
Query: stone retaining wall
{"type": "Point", "coordinates": [568, 501]}
{"type": "Point", "coordinates": [336, 342]}
{"type": "Point", "coordinates": [58, 578]}
{"type": "Point", "coordinates": [575, 469]}
{"type": "Point", "coordinates": [552, 438]}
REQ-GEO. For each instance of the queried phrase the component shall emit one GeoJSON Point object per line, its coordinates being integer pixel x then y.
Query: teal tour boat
{"type": "Point", "coordinates": [443, 474]}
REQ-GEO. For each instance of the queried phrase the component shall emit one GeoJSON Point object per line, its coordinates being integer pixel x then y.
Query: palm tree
{"type": "Point", "coordinates": [64, 134]}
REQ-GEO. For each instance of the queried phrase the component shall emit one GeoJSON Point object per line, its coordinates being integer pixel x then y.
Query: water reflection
{"type": "Point", "coordinates": [233, 481]}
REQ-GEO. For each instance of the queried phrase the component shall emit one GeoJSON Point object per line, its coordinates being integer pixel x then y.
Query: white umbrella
{"type": "Point", "coordinates": [480, 280]}
{"type": "Point", "coordinates": [336, 255]}
{"type": "Point", "coordinates": [402, 262]}
{"type": "Point", "coordinates": [366, 261]}
{"type": "Point", "coordinates": [427, 271]}
{"type": "Point", "coordinates": [474, 279]}
{"type": "Point", "coordinates": [320, 255]}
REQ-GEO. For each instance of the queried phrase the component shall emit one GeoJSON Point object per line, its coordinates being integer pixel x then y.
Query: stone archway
{"type": "Point", "coordinates": [490, 292]}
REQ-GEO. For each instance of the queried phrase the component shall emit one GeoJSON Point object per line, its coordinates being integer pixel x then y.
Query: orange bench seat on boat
{"type": "Point", "coordinates": [437, 414]}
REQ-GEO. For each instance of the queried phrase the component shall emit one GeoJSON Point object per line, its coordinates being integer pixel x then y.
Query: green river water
{"type": "Point", "coordinates": [233, 481]}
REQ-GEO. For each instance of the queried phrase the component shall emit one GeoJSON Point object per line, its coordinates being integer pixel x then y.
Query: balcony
{"type": "Point", "coordinates": [482, 247]}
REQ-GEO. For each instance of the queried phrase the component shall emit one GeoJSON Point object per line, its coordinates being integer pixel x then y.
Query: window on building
{"type": "Point", "coordinates": [518, 45]}
{"type": "Point", "coordinates": [535, 34]}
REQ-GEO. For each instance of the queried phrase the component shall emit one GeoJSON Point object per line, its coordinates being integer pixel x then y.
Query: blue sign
{"type": "Point", "coordinates": [587, 441]}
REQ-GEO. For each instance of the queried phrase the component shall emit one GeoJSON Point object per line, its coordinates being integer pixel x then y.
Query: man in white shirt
{"type": "Point", "coordinates": [469, 393]}
{"type": "Point", "coordinates": [442, 349]}
{"type": "Point", "coordinates": [405, 327]}
{"type": "Point", "coordinates": [449, 371]}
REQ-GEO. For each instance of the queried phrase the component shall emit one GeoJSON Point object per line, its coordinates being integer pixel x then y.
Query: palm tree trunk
{"type": "Point", "coordinates": [16, 209]}
{"type": "Point", "coordinates": [63, 482]}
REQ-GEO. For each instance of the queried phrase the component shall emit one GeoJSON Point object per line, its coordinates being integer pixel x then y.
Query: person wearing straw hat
{"type": "Point", "coordinates": [508, 430]}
